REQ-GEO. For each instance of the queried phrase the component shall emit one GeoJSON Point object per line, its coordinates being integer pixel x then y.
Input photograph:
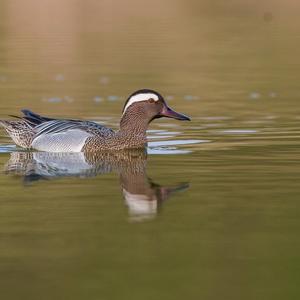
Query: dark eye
{"type": "Point", "coordinates": [151, 100]}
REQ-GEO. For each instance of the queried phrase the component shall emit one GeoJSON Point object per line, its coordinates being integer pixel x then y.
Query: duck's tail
{"type": "Point", "coordinates": [20, 131]}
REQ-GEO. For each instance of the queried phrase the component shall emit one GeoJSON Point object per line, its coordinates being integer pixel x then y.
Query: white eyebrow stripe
{"type": "Point", "coordinates": [140, 97]}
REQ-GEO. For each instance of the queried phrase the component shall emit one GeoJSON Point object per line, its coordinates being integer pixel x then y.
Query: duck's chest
{"type": "Point", "coordinates": [116, 142]}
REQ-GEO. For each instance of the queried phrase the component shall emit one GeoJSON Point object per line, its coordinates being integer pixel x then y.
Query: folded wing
{"type": "Point", "coordinates": [66, 135]}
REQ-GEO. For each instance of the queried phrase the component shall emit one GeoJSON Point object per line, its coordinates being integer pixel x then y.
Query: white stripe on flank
{"type": "Point", "coordinates": [140, 97]}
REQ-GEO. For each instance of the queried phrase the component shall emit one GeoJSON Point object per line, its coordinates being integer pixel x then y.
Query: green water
{"type": "Point", "coordinates": [212, 211]}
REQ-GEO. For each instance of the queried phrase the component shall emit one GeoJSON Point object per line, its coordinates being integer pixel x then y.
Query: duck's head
{"type": "Point", "coordinates": [150, 105]}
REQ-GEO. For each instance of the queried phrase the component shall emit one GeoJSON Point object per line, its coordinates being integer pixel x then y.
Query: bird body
{"type": "Point", "coordinates": [32, 131]}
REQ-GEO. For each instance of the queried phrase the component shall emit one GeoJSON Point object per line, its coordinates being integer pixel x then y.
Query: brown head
{"type": "Point", "coordinates": [146, 105]}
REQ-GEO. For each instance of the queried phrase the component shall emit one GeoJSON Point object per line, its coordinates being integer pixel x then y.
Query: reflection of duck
{"type": "Point", "coordinates": [55, 135]}
{"type": "Point", "coordinates": [142, 196]}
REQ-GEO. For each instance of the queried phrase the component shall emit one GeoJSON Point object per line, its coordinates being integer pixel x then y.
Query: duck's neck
{"type": "Point", "coordinates": [134, 124]}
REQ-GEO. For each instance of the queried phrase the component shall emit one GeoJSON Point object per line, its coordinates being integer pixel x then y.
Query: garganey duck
{"type": "Point", "coordinates": [32, 131]}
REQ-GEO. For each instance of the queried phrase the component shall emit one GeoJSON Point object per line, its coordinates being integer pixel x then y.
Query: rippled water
{"type": "Point", "coordinates": [210, 210]}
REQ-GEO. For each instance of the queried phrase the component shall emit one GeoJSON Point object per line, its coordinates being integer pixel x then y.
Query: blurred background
{"type": "Point", "coordinates": [231, 231]}
{"type": "Point", "coordinates": [71, 53]}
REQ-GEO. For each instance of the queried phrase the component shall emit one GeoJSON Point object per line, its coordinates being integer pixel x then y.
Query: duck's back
{"type": "Point", "coordinates": [53, 135]}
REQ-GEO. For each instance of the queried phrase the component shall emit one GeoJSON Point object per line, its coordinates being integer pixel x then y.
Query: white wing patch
{"type": "Point", "coordinates": [140, 97]}
{"type": "Point", "coordinates": [67, 141]}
